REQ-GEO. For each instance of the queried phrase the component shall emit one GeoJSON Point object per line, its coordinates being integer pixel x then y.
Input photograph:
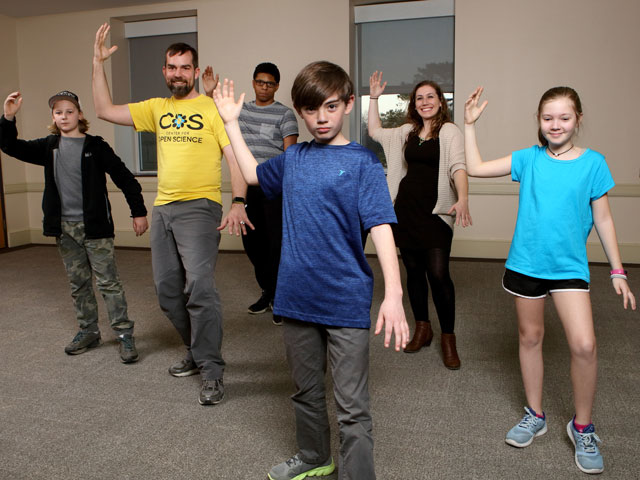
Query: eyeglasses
{"type": "Point", "coordinates": [262, 83]}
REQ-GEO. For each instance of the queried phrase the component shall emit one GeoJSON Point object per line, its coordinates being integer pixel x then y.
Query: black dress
{"type": "Point", "coordinates": [417, 226]}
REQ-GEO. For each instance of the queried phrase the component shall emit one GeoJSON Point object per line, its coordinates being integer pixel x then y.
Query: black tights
{"type": "Point", "coordinates": [435, 263]}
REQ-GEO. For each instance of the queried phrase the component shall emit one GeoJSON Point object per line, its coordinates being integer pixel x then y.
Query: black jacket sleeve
{"type": "Point", "coordinates": [30, 151]}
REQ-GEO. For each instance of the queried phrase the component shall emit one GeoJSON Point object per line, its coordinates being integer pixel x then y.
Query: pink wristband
{"type": "Point", "coordinates": [618, 271]}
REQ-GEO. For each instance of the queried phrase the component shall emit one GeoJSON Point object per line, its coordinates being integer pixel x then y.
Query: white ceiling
{"type": "Point", "coordinates": [32, 8]}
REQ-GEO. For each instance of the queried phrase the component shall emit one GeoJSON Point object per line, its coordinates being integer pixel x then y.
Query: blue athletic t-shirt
{"type": "Point", "coordinates": [554, 212]}
{"type": "Point", "coordinates": [329, 192]}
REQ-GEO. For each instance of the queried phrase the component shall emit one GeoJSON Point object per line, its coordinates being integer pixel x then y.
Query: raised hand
{"type": "Point", "coordinates": [376, 87]}
{"type": "Point", "coordinates": [228, 108]}
{"type": "Point", "coordinates": [100, 51]}
{"type": "Point", "coordinates": [12, 104]}
{"type": "Point", "coordinates": [472, 110]}
{"type": "Point", "coordinates": [209, 81]}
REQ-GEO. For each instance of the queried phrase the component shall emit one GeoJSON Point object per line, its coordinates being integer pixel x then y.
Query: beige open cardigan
{"type": "Point", "coordinates": [451, 140]}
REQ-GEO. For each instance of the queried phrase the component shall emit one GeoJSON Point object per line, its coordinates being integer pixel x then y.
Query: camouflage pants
{"type": "Point", "coordinates": [81, 256]}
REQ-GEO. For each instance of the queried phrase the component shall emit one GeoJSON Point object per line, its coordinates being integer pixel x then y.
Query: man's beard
{"type": "Point", "coordinates": [180, 91]}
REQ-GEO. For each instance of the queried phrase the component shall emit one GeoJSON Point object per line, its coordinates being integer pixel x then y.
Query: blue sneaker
{"type": "Point", "coordinates": [588, 457]}
{"type": "Point", "coordinates": [529, 427]}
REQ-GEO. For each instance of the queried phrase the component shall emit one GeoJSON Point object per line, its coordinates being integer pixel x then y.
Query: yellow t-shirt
{"type": "Point", "coordinates": [190, 137]}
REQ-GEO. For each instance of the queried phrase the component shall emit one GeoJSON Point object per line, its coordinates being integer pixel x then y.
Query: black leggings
{"type": "Point", "coordinates": [435, 263]}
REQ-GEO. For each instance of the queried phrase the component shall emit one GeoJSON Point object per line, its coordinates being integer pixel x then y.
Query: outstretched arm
{"type": "Point", "coordinates": [12, 105]}
{"type": "Point", "coordinates": [475, 166]}
{"type": "Point", "coordinates": [209, 81]}
{"type": "Point", "coordinates": [376, 88]}
{"type": "Point", "coordinates": [30, 151]}
{"type": "Point", "coordinates": [105, 109]}
{"type": "Point", "coordinates": [229, 111]}
{"type": "Point", "coordinates": [391, 314]}
{"type": "Point", "coordinates": [603, 222]}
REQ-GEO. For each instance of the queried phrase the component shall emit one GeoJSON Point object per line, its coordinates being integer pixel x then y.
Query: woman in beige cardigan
{"type": "Point", "coordinates": [428, 183]}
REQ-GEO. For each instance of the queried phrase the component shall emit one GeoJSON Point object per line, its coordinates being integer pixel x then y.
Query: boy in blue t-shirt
{"type": "Point", "coordinates": [331, 189]}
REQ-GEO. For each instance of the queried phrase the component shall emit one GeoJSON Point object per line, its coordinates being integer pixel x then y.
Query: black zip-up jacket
{"type": "Point", "coordinates": [97, 159]}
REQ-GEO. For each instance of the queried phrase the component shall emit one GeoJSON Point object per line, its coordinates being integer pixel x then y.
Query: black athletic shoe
{"type": "Point", "coordinates": [261, 306]}
{"type": "Point", "coordinates": [212, 392]}
{"type": "Point", "coordinates": [184, 368]}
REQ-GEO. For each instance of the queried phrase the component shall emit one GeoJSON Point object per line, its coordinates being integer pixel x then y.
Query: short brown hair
{"type": "Point", "coordinates": [317, 81]}
{"type": "Point", "coordinates": [180, 49]}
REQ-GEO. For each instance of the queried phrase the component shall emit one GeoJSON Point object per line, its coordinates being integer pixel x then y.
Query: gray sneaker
{"type": "Point", "coordinates": [296, 469]}
{"type": "Point", "coordinates": [184, 368]}
{"type": "Point", "coordinates": [127, 348]}
{"type": "Point", "coordinates": [212, 392]}
{"type": "Point", "coordinates": [84, 340]}
{"type": "Point", "coordinates": [530, 426]}
{"type": "Point", "coordinates": [588, 457]}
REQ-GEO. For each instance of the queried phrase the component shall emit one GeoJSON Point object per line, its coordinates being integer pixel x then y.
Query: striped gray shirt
{"type": "Point", "coordinates": [264, 128]}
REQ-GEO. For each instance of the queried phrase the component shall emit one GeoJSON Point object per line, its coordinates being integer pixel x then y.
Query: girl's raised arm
{"type": "Point", "coordinates": [475, 166]}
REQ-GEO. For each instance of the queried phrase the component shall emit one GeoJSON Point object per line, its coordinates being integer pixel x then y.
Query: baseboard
{"type": "Point", "coordinates": [21, 237]}
{"type": "Point", "coordinates": [467, 248]}
{"type": "Point", "coordinates": [123, 238]}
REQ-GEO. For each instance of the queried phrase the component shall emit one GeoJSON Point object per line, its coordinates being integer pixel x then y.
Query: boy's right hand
{"type": "Point", "coordinates": [12, 104]}
{"type": "Point", "coordinates": [100, 51]}
{"type": "Point", "coordinates": [391, 317]}
{"type": "Point", "coordinates": [376, 88]}
{"type": "Point", "coordinates": [228, 108]}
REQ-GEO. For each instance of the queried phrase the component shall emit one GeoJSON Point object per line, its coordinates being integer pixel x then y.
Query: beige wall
{"type": "Point", "coordinates": [515, 48]}
{"type": "Point", "coordinates": [13, 173]}
{"type": "Point", "coordinates": [233, 36]}
{"type": "Point", "coordinates": [518, 49]}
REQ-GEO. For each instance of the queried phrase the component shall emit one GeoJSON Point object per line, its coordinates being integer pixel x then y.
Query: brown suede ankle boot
{"type": "Point", "coordinates": [449, 353]}
{"type": "Point", "coordinates": [421, 338]}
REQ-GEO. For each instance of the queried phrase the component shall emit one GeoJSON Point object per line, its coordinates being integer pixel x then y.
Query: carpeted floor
{"type": "Point", "coordinates": [91, 417]}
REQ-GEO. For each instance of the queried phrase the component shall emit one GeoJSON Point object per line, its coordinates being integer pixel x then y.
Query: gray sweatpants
{"type": "Point", "coordinates": [308, 346]}
{"type": "Point", "coordinates": [184, 250]}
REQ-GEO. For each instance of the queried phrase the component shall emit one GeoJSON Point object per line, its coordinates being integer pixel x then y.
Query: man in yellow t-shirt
{"type": "Point", "coordinates": [186, 221]}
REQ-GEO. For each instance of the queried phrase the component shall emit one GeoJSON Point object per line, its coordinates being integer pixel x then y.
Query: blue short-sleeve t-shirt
{"type": "Point", "coordinates": [554, 212]}
{"type": "Point", "coordinates": [329, 194]}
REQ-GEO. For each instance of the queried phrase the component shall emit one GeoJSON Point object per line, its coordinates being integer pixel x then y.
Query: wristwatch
{"type": "Point", "coordinates": [239, 200]}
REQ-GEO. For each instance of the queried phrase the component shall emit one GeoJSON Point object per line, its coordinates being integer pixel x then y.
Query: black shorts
{"type": "Point", "coordinates": [529, 287]}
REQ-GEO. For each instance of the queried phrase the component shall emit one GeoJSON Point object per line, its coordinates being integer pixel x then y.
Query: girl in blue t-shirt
{"type": "Point", "coordinates": [563, 193]}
